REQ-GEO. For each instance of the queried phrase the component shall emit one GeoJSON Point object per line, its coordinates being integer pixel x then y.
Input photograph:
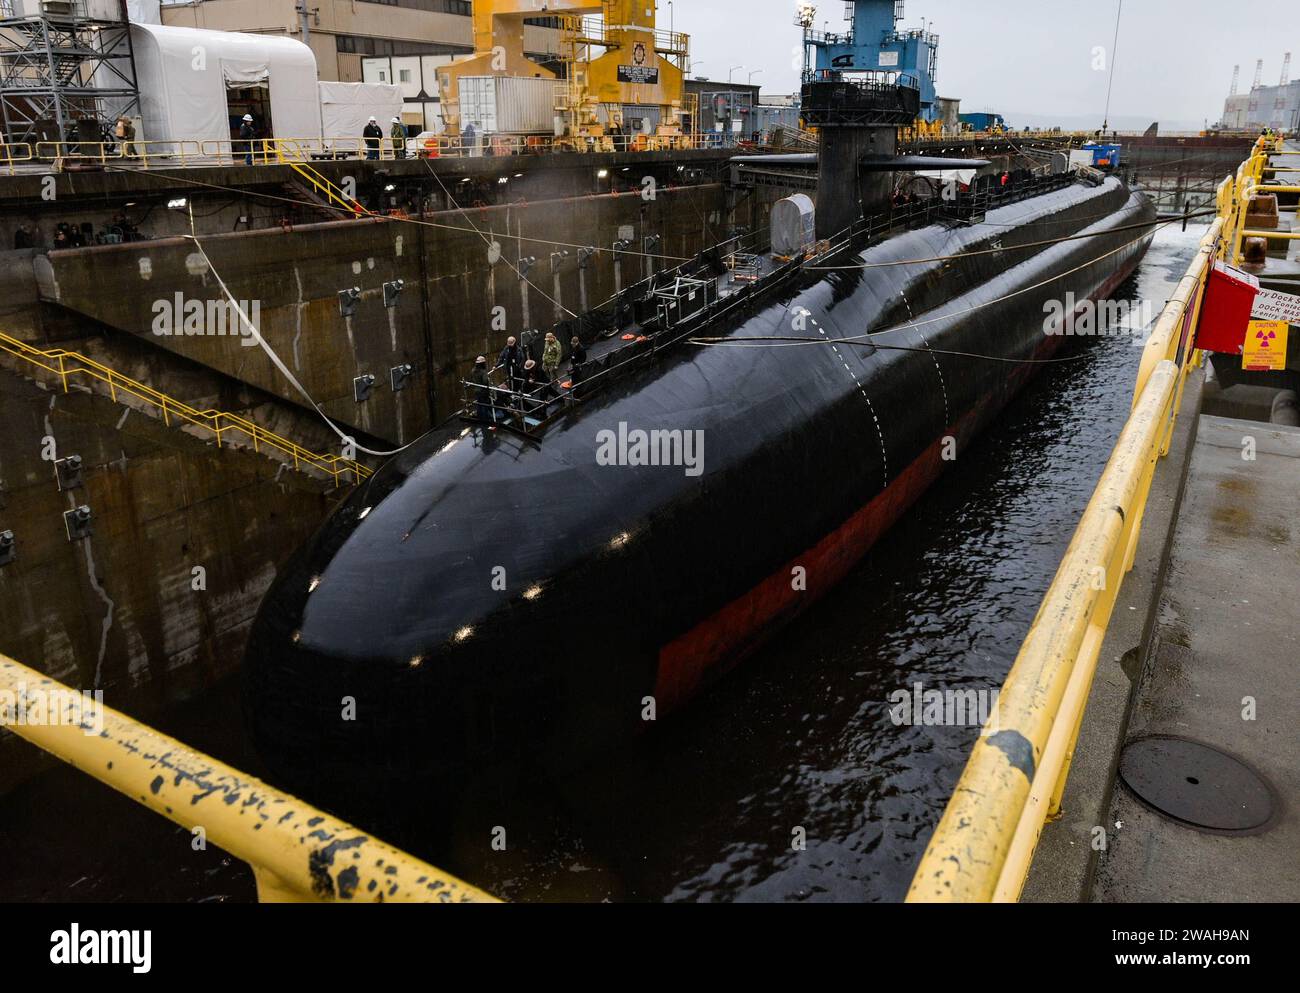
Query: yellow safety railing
{"type": "Point", "coordinates": [298, 854]}
{"type": "Point", "coordinates": [1250, 182]}
{"type": "Point", "coordinates": [292, 155]}
{"type": "Point", "coordinates": [12, 154]}
{"type": "Point", "coordinates": [66, 365]}
{"type": "Point", "coordinates": [1016, 774]}
{"type": "Point", "coordinates": [141, 154]}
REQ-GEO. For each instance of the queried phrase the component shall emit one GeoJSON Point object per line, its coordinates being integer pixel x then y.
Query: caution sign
{"type": "Point", "coordinates": [1270, 305]}
{"type": "Point", "coordinates": [1265, 349]}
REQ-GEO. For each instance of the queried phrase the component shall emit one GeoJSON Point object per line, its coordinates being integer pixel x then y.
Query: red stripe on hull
{"type": "Point", "coordinates": [717, 644]}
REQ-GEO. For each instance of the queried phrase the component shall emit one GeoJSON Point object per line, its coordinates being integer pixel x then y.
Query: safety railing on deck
{"type": "Point", "coordinates": [1250, 183]}
{"type": "Point", "coordinates": [1016, 775]}
{"type": "Point", "coordinates": [13, 155]}
{"type": "Point", "coordinates": [298, 854]}
{"type": "Point", "coordinates": [187, 153]}
{"type": "Point", "coordinates": [67, 365]}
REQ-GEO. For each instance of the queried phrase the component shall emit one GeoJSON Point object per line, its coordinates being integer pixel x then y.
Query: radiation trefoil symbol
{"type": "Point", "coordinates": [1265, 337]}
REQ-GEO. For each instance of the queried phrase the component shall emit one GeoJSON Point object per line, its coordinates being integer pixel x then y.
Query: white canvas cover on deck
{"type": "Point", "coordinates": [345, 108]}
{"type": "Point", "coordinates": [183, 74]}
{"type": "Point", "coordinates": [144, 11]}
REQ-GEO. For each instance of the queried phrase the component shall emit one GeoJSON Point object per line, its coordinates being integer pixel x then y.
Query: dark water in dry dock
{"type": "Point", "coordinates": [799, 738]}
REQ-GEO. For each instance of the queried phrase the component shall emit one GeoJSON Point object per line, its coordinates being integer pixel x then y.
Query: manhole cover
{"type": "Point", "coordinates": [1196, 784]}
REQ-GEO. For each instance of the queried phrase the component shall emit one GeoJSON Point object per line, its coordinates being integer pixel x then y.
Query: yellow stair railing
{"type": "Point", "coordinates": [1013, 783]}
{"type": "Point", "coordinates": [287, 152]}
{"type": "Point", "coordinates": [66, 365]}
{"type": "Point", "coordinates": [298, 854]}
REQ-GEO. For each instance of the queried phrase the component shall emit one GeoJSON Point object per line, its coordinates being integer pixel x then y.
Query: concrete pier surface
{"type": "Point", "coordinates": [1203, 649]}
{"type": "Point", "coordinates": [1214, 654]}
{"type": "Point", "coordinates": [1223, 673]}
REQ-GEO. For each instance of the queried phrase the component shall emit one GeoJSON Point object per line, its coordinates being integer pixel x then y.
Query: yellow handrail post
{"type": "Point", "coordinates": [297, 853]}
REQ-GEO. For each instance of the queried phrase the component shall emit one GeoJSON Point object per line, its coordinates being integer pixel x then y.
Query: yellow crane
{"type": "Point", "coordinates": [620, 69]}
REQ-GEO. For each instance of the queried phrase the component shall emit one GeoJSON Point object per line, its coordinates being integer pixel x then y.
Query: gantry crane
{"type": "Point", "coordinates": [619, 68]}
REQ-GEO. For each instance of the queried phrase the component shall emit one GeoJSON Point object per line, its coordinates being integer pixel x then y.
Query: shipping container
{"type": "Point", "coordinates": [507, 104]}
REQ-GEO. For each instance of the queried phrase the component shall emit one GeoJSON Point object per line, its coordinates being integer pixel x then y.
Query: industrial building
{"type": "Point", "coordinates": [343, 34]}
{"type": "Point", "coordinates": [1276, 107]}
{"type": "Point", "coordinates": [738, 112]}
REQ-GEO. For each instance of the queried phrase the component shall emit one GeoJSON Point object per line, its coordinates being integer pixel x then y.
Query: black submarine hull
{"type": "Point", "coordinates": [485, 598]}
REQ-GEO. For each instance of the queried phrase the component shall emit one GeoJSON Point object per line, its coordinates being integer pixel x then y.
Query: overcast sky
{"type": "Point", "coordinates": [1028, 58]}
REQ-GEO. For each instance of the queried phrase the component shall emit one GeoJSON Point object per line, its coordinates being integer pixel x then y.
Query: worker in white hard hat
{"type": "Point", "coordinates": [373, 135]}
{"type": "Point", "coordinates": [398, 135]}
{"type": "Point", "coordinates": [247, 133]}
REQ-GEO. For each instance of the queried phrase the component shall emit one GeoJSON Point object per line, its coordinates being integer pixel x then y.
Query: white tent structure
{"type": "Point", "coordinates": [345, 108]}
{"type": "Point", "coordinates": [185, 74]}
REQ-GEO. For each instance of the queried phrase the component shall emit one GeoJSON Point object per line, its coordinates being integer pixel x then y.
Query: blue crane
{"type": "Point", "coordinates": [872, 39]}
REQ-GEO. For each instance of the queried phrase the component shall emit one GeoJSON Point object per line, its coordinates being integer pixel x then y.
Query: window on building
{"type": "Point", "coordinates": [360, 45]}
{"type": "Point", "coordinates": [462, 7]}
{"type": "Point", "coordinates": [404, 75]}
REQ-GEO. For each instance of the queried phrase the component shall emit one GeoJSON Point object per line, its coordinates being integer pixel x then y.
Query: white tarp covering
{"type": "Point", "coordinates": [183, 74]}
{"type": "Point", "coordinates": [345, 108]}
{"type": "Point", "coordinates": [945, 176]}
{"type": "Point", "coordinates": [144, 11]}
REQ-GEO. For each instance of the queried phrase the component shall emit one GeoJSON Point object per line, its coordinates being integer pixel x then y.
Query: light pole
{"type": "Point", "coordinates": [731, 71]}
{"type": "Point", "coordinates": [752, 75]}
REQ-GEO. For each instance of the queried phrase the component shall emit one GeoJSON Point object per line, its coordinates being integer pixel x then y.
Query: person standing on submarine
{"type": "Point", "coordinates": [484, 408]}
{"type": "Point", "coordinates": [551, 354]}
{"type": "Point", "coordinates": [511, 360]}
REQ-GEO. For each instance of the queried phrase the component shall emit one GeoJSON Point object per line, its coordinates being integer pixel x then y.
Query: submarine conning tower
{"type": "Point", "coordinates": [857, 115]}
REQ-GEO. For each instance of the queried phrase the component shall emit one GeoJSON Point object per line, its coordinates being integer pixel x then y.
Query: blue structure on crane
{"type": "Point", "coordinates": [872, 40]}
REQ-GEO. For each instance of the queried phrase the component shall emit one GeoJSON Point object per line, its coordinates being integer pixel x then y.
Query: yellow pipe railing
{"type": "Point", "coordinates": [292, 155]}
{"type": "Point", "coordinates": [1016, 774]}
{"type": "Point", "coordinates": [298, 854]}
{"type": "Point", "coordinates": [11, 154]}
{"type": "Point", "coordinates": [65, 364]}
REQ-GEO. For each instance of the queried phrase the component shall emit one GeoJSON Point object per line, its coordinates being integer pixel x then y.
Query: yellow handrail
{"type": "Point", "coordinates": [1016, 774]}
{"type": "Point", "coordinates": [16, 152]}
{"type": "Point", "coordinates": [65, 364]}
{"type": "Point", "coordinates": [142, 153]}
{"type": "Point", "coordinates": [297, 853]}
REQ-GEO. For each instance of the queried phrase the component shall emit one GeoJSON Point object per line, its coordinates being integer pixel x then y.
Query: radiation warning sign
{"type": "Point", "coordinates": [1265, 349]}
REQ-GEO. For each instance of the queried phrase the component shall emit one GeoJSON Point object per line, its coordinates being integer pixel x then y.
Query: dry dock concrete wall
{"type": "Point", "coordinates": [153, 604]}
{"type": "Point", "coordinates": [461, 291]}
